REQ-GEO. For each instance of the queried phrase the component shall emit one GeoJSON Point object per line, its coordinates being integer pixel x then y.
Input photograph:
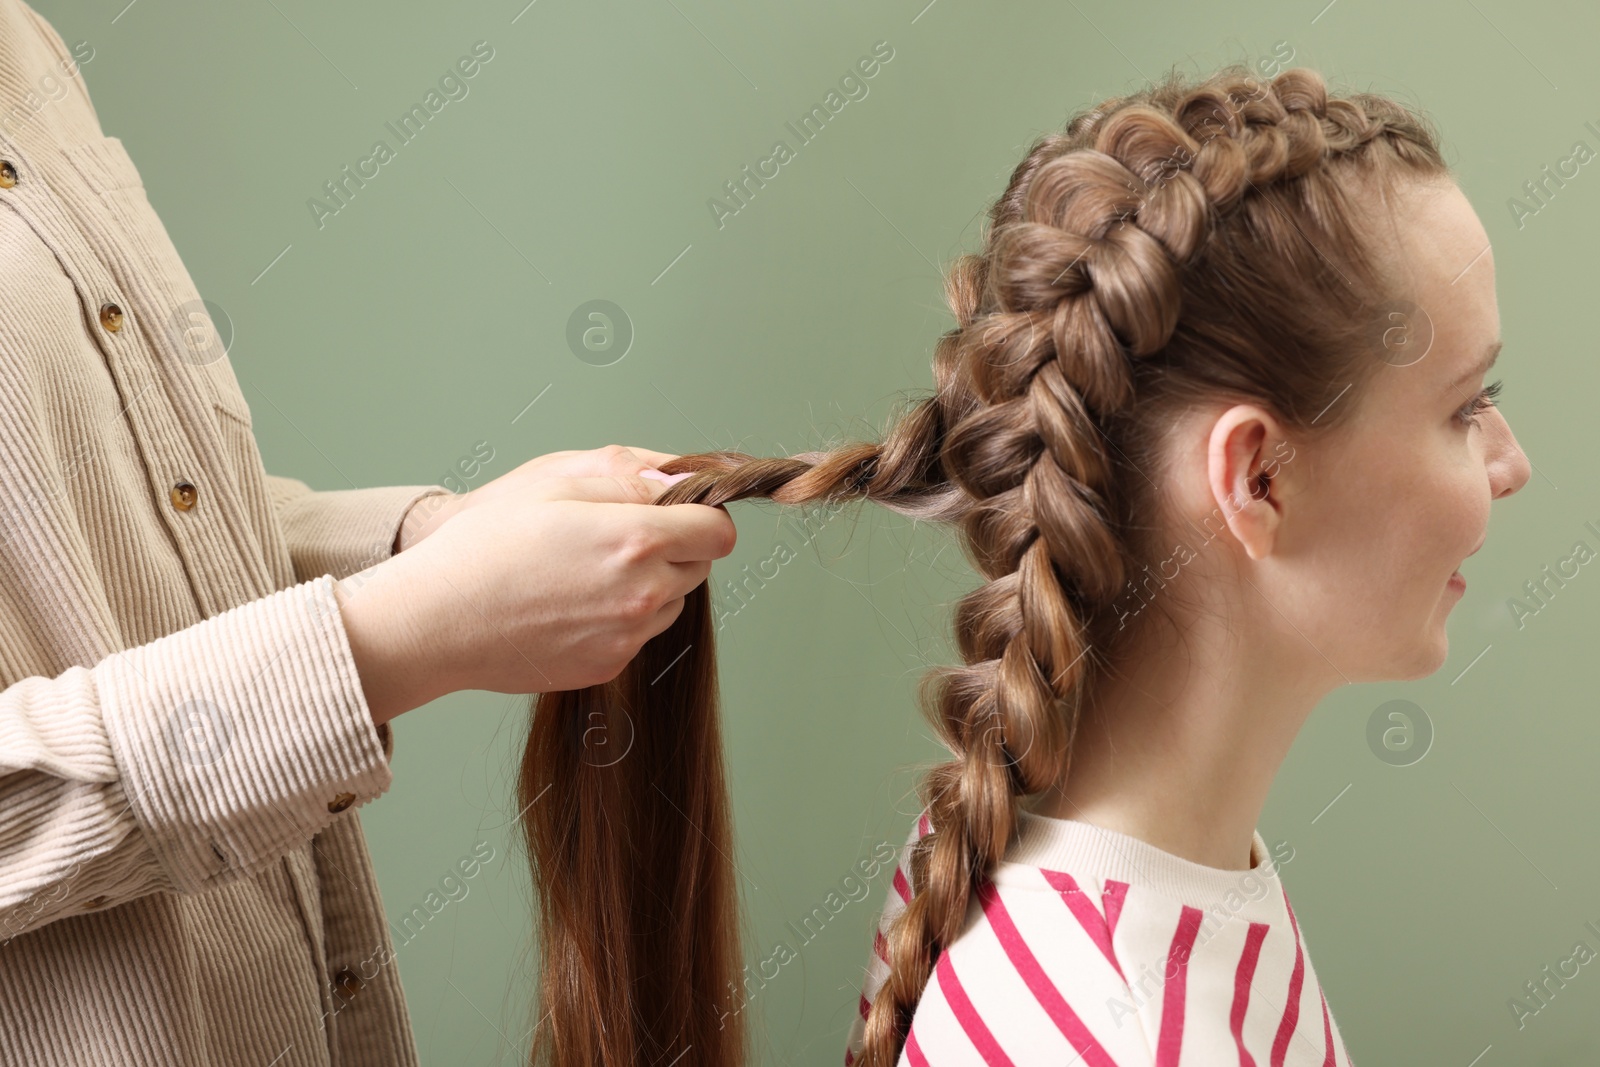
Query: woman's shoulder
{"type": "Point", "coordinates": [1087, 943]}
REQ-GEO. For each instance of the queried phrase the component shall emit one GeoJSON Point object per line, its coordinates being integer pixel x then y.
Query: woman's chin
{"type": "Point", "coordinates": [1432, 652]}
{"type": "Point", "coordinates": [1424, 654]}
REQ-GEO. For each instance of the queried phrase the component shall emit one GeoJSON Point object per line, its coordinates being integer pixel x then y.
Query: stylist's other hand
{"type": "Point", "coordinates": [554, 584]}
{"type": "Point", "coordinates": [619, 462]}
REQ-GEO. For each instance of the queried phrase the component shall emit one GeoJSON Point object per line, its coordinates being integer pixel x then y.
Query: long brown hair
{"type": "Point", "coordinates": [1195, 240]}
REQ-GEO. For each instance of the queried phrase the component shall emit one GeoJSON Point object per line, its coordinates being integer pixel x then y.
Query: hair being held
{"type": "Point", "coordinates": [1196, 240]}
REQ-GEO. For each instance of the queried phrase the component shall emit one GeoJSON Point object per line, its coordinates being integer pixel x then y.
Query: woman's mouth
{"type": "Point", "coordinates": [1457, 581]}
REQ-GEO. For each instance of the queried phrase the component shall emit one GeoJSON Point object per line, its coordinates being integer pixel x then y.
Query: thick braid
{"type": "Point", "coordinates": [1076, 287]}
{"type": "Point", "coordinates": [1082, 275]}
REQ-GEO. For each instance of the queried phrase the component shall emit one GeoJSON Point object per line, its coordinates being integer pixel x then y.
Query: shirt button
{"type": "Point", "coordinates": [8, 174]}
{"type": "Point", "coordinates": [111, 317]}
{"type": "Point", "coordinates": [184, 494]}
{"type": "Point", "coordinates": [348, 983]}
{"type": "Point", "coordinates": [340, 802]}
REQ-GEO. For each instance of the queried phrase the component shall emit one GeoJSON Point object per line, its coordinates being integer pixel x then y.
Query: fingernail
{"type": "Point", "coordinates": [659, 476]}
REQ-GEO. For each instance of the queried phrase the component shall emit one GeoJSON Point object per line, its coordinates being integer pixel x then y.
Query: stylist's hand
{"type": "Point", "coordinates": [550, 582]}
{"type": "Point", "coordinates": [619, 462]}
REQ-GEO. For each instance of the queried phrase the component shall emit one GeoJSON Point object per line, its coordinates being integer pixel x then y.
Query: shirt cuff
{"type": "Point", "coordinates": [342, 531]}
{"type": "Point", "coordinates": [243, 736]}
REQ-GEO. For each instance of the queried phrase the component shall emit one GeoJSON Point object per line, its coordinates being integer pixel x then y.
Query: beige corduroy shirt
{"type": "Point", "coordinates": [184, 740]}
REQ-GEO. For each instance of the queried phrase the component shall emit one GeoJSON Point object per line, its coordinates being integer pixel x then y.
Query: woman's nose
{"type": "Point", "coordinates": [1509, 468]}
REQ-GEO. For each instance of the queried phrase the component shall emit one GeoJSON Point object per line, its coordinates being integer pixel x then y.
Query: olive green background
{"type": "Point", "coordinates": [405, 338]}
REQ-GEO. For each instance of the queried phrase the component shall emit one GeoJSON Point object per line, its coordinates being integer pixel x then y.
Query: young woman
{"type": "Point", "coordinates": [1212, 424]}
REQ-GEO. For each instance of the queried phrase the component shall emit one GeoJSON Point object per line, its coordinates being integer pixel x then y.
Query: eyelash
{"type": "Point", "coordinates": [1478, 404]}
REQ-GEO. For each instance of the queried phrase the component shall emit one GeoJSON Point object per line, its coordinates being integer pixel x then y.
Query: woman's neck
{"type": "Point", "coordinates": [1181, 749]}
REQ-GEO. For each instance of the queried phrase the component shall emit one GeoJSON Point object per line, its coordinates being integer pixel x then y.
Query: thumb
{"type": "Point", "coordinates": [662, 477]}
{"type": "Point", "coordinates": [657, 481]}
{"type": "Point", "coordinates": [604, 489]}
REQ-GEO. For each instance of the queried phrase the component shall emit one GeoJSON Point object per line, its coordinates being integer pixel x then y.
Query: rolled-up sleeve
{"type": "Point", "coordinates": [185, 762]}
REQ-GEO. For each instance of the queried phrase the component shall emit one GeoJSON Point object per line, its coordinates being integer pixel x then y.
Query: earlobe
{"type": "Point", "coordinates": [1255, 522]}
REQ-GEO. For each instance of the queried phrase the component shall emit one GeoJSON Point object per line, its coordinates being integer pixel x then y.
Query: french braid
{"type": "Point", "coordinates": [1191, 240]}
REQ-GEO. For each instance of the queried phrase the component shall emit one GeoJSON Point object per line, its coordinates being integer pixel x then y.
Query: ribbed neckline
{"type": "Point", "coordinates": [1085, 850]}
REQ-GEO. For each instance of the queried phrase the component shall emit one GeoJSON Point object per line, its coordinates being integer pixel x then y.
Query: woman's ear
{"type": "Point", "coordinates": [1243, 465]}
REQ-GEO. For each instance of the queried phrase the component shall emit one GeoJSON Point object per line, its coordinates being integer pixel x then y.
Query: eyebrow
{"type": "Point", "coordinates": [1490, 354]}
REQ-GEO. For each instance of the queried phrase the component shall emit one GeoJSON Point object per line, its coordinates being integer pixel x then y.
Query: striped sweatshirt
{"type": "Point", "coordinates": [1090, 946]}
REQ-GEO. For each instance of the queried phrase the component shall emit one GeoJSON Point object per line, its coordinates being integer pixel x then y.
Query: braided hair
{"type": "Point", "coordinates": [1194, 240]}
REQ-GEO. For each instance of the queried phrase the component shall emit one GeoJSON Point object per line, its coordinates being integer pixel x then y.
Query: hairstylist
{"type": "Point", "coordinates": [199, 660]}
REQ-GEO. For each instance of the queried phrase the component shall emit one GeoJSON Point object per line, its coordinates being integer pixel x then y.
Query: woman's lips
{"type": "Point", "coordinates": [1457, 580]}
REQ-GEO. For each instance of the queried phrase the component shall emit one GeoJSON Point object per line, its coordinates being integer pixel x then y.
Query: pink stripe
{"type": "Point", "coordinates": [1176, 988]}
{"type": "Point", "coordinates": [864, 1007]}
{"type": "Point", "coordinates": [1044, 991]}
{"type": "Point", "coordinates": [972, 1023]}
{"type": "Point", "coordinates": [1241, 988]}
{"type": "Point", "coordinates": [849, 1058]}
{"type": "Point", "coordinates": [1088, 916]}
{"type": "Point", "coordinates": [914, 1051]}
{"type": "Point", "coordinates": [1327, 1033]}
{"type": "Point", "coordinates": [1291, 1010]}
{"type": "Point", "coordinates": [924, 827]}
{"type": "Point", "coordinates": [1329, 1059]}
{"type": "Point", "coordinates": [1114, 893]}
{"type": "Point", "coordinates": [902, 886]}
{"type": "Point", "coordinates": [881, 946]}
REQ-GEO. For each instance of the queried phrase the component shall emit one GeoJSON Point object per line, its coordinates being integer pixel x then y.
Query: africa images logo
{"type": "Point", "coordinates": [852, 85]}
{"type": "Point", "coordinates": [452, 86]}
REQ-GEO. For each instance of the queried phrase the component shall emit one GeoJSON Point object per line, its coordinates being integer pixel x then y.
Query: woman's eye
{"type": "Point", "coordinates": [1479, 404]}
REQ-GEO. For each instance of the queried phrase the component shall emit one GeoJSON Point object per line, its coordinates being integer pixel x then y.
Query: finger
{"type": "Point", "coordinates": [691, 532]}
{"type": "Point", "coordinates": [665, 616]}
{"type": "Point", "coordinates": [599, 489]}
{"type": "Point", "coordinates": [600, 463]}
{"type": "Point", "coordinates": [612, 461]}
{"type": "Point", "coordinates": [684, 578]}
{"type": "Point", "coordinates": [651, 458]}
{"type": "Point", "coordinates": [658, 482]}
{"type": "Point", "coordinates": [618, 459]}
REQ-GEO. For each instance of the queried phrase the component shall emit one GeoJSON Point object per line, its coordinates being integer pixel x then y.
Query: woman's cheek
{"type": "Point", "coordinates": [1454, 506]}
{"type": "Point", "coordinates": [1473, 514]}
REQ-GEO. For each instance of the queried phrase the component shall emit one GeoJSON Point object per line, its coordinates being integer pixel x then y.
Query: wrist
{"type": "Point", "coordinates": [389, 636]}
{"type": "Point", "coordinates": [424, 516]}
